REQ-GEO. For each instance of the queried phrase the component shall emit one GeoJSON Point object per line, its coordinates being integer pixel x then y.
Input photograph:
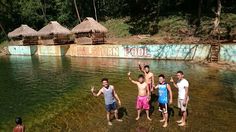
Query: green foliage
{"type": "Point", "coordinates": [117, 28]}
{"type": "Point", "coordinates": [172, 24]}
{"type": "Point", "coordinates": [146, 16]}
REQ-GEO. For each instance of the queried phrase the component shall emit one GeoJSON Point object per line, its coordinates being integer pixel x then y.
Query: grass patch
{"type": "Point", "coordinates": [171, 25]}
{"type": "Point", "coordinates": [117, 28]}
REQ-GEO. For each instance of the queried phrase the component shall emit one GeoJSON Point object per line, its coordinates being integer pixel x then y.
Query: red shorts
{"type": "Point", "coordinates": [150, 86]}
{"type": "Point", "coordinates": [142, 103]}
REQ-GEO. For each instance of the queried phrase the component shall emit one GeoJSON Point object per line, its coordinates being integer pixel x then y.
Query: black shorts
{"type": "Point", "coordinates": [163, 107]}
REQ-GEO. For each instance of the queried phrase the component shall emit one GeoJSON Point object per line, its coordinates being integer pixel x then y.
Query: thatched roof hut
{"type": "Point", "coordinates": [89, 25]}
{"type": "Point", "coordinates": [55, 33]}
{"type": "Point", "coordinates": [23, 30]}
{"type": "Point", "coordinates": [23, 35]}
{"type": "Point", "coordinates": [89, 32]}
{"type": "Point", "coordinates": [53, 28]}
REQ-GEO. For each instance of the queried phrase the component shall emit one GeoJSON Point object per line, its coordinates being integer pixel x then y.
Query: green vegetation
{"type": "Point", "coordinates": [126, 17]}
{"type": "Point", "coordinates": [117, 27]}
{"type": "Point", "coordinates": [172, 25]}
{"type": "Point", "coordinates": [2, 45]}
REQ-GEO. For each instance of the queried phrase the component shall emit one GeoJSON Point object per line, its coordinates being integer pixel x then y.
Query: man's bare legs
{"type": "Point", "coordinates": [116, 116]}
{"type": "Point", "coordinates": [165, 117]}
{"type": "Point", "coordinates": [147, 113]}
{"type": "Point", "coordinates": [108, 118]}
{"type": "Point", "coordinates": [183, 123]}
{"type": "Point", "coordinates": [138, 111]}
{"type": "Point", "coordinates": [148, 117]}
{"type": "Point", "coordinates": [181, 120]}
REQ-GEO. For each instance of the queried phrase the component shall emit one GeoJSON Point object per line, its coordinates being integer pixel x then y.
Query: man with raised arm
{"type": "Point", "coordinates": [110, 97]}
{"type": "Point", "coordinates": [149, 76]}
{"type": "Point", "coordinates": [182, 85]}
{"type": "Point", "coordinates": [143, 96]}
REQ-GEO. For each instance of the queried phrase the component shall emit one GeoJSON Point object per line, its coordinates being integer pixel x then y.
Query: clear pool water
{"type": "Point", "coordinates": [53, 94]}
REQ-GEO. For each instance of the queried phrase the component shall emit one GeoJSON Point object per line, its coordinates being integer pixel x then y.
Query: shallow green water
{"type": "Point", "coordinates": [52, 94]}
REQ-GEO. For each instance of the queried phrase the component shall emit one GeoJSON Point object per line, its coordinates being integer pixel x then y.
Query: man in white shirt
{"type": "Point", "coordinates": [182, 85]}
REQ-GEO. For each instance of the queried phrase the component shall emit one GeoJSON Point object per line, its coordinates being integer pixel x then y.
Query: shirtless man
{"type": "Point", "coordinates": [19, 127]}
{"type": "Point", "coordinates": [143, 96]}
{"type": "Point", "coordinates": [110, 98]}
{"type": "Point", "coordinates": [183, 98]}
{"type": "Point", "coordinates": [149, 77]}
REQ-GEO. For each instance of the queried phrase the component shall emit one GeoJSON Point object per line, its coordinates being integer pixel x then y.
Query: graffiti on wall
{"type": "Point", "coordinates": [136, 52]}
{"type": "Point", "coordinates": [96, 51]}
{"type": "Point", "coordinates": [228, 53]}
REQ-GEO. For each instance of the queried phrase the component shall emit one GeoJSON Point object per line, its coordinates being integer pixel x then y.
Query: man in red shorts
{"type": "Point", "coordinates": [143, 96]}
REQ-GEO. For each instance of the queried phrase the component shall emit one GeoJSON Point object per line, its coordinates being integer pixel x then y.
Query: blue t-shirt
{"type": "Point", "coordinates": [163, 93]}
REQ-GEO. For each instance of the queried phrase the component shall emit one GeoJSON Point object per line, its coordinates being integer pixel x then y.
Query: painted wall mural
{"type": "Point", "coordinates": [161, 51]}
{"type": "Point", "coordinates": [171, 51]}
{"type": "Point", "coordinates": [228, 53]}
{"type": "Point", "coordinates": [22, 50]}
{"type": "Point", "coordinates": [97, 51]}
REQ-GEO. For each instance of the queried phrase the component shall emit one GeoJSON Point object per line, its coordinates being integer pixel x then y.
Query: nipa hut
{"type": "Point", "coordinates": [54, 33]}
{"type": "Point", "coordinates": [89, 32]}
{"type": "Point", "coordinates": [23, 35]}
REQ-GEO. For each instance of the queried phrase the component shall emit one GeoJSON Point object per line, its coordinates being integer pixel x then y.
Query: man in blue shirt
{"type": "Point", "coordinates": [163, 90]}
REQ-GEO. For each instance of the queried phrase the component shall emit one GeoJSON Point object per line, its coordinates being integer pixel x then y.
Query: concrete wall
{"type": "Point", "coordinates": [161, 51]}
{"type": "Point", "coordinates": [228, 53]}
{"type": "Point", "coordinates": [22, 50]}
{"type": "Point", "coordinates": [170, 51]}
{"type": "Point", "coordinates": [53, 50]}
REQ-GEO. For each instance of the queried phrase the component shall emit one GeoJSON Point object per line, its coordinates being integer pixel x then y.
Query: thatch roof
{"type": "Point", "coordinates": [23, 30]}
{"type": "Point", "coordinates": [53, 27]}
{"type": "Point", "coordinates": [89, 25]}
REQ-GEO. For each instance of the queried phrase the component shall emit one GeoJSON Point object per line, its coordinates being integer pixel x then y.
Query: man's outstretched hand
{"type": "Point", "coordinates": [92, 89]}
{"type": "Point", "coordinates": [129, 73]}
{"type": "Point", "coordinates": [171, 80]}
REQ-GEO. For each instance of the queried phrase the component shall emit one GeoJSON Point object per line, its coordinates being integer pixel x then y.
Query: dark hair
{"type": "Point", "coordinates": [140, 76]}
{"type": "Point", "coordinates": [181, 72]}
{"type": "Point", "coordinates": [146, 66]}
{"type": "Point", "coordinates": [161, 75]}
{"type": "Point", "coordinates": [104, 79]}
{"type": "Point", "coordinates": [18, 121]}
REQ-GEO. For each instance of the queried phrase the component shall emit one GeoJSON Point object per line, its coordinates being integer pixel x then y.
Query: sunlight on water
{"type": "Point", "coordinates": [53, 94]}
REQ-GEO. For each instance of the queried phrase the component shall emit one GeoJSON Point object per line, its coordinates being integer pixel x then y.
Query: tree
{"type": "Point", "coordinates": [217, 19]}
{"type": "Point", "coordinates": [77, 11]}
{"type": "Point", "coordinates": [95, 10]}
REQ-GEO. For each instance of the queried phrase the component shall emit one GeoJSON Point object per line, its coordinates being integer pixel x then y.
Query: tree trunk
{"type": "Point", "coordinates": [3, 30]}
{"type": "Point", "coordinates": [199, 11]}
{"type": "Point", "coordinates": [217, 19]}
{"type": "Point", "coordinates": [77, 11]}
{"type": "Point", "coordinates": [95, 10]}
{"type": "Point", "coordinates": [43, 8]}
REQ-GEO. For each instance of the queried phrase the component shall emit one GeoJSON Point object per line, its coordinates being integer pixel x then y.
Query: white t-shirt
{"type": "Point", "coordinates": [181, 87]}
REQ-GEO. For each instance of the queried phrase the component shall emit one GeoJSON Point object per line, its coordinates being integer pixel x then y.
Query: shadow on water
{"type": "Point", "coordinates": [122, 111]}
{"type": "Point", "coordinates": [171, 111]}
{"type": "Point", "coordinates": [151, 102]}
